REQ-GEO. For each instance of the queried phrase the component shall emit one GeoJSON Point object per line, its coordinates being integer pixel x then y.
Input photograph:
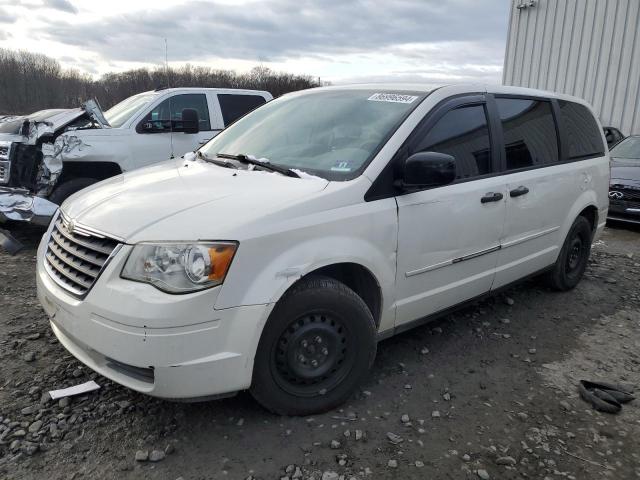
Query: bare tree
{"type": "Point", "coordinates": [32, 81]}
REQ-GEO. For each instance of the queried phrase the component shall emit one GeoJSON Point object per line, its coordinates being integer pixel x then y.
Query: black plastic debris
{"type": "Point", "coordinates": [605, 397]}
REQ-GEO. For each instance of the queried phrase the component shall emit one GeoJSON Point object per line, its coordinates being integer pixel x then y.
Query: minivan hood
{"type": "Point", "coordinates": [184, 200]}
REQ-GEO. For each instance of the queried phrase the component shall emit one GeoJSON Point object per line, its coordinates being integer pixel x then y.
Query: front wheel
{"type": "Point", "coordinates": [573, 258]}
{"type": "Point", "coordinates": [315, 350]}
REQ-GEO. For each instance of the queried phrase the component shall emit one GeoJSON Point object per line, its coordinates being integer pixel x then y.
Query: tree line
{"type": "Point", "coordinates": [32, 81]}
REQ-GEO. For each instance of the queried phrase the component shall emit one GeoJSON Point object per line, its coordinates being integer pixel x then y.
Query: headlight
{"type": "Point", "coordinates": [180, 267]}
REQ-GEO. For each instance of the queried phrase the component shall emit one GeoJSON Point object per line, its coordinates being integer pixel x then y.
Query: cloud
{"type": "Point", "coordinates": [285, 29]}
{"type": "Point", "coordinates": [6, 17]}
{"type": "Point", "coordinates": [62, 5]}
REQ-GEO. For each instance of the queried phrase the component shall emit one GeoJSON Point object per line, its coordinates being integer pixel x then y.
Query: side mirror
{"type": "Point", "coordinates": [190, 121]}
{"type": "Point", "coordinates": [428, 169]}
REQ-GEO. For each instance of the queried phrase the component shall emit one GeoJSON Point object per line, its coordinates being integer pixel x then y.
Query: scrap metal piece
{"type": "Point", "coordinates": [9, 242]}
{"type": "Point", "coordinates": [21, 205]}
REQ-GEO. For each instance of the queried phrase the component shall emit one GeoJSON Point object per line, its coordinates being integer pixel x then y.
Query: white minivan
{"type": "Point", "coordinates": [276, 257]}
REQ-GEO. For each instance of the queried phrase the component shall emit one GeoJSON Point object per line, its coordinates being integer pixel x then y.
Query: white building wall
{"type": "Point", "coordinates": [586, 48]}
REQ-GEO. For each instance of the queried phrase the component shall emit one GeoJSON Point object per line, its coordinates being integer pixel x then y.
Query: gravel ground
{"type": "Point", "coordinates": [489, 392]}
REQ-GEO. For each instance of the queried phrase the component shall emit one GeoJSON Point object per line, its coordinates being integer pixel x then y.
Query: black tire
{"type": "Point", "coordinates": [319, 320]}
{"type": "Point", "coordinates": [573, 258]}
{"type": "Point", "coordinates": [68, 188]}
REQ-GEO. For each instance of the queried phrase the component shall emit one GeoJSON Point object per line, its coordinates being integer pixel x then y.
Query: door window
{"type": "Point", "coordinates": [464, 134]}
{"type": "Point", "coordinates": [529, 132]}
{"type": "Point", "coordinates": [168, 114]}
{"type": "Point", "coordinates": [235, 106]}
{"type": "Point", "coordinates": [582, 134]}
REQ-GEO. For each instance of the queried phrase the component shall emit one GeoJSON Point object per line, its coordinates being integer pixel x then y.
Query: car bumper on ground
{"type": "Point", "coordinates": [179, 349]}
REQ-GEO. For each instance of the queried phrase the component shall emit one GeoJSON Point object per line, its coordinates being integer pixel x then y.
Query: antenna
{"type": "Point", "coordinates": [166, 74]}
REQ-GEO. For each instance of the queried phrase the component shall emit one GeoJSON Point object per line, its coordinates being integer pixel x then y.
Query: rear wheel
{"type": "Point", "coordinates": [317, 347]}
{"type": "Point", "coordinates": [573, 258]}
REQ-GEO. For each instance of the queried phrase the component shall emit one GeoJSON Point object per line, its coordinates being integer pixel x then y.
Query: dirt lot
{"type": "Point", "coordinates": [489, 392]}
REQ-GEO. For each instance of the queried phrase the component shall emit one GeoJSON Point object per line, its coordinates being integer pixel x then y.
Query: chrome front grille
{"type": "Point", "coordinates": [75, 257]}
{"type": "Point", "coordinates": [4, 172]}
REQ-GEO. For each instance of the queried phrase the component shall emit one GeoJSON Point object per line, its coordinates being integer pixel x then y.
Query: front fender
{"type": "Point", "coordinates": [266, 267]}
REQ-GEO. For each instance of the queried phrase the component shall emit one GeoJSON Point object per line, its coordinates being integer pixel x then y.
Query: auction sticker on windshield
{"type": "Point", "coordinates": [392, 97]}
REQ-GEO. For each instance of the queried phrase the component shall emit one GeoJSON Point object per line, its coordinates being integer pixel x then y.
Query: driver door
{"type": "Point", "coordinates": [158, 136]}
{"type": "Point", "coordinates": [449, 236]}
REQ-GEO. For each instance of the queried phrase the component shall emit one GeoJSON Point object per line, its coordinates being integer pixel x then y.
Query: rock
{"type": "Point", "coordinates": [393, 438]}
{"type": "Point", "coordinates": [509, 461]}
{"type": "Point", "coordinates": [169, 449]}
{"type": "Point", "coordinates": [20, 433]}
{"type": "Point", "coordinates": [335, 444]}
{"type": "Point", "coordinates": [522, 416]}
{"type": "Point", "coordinates": [466, 457]}
{"type": "Point", "coordinates": [156, 456]}
{"type": "Point", "coordinates": [33, 336]}
{"type": "Point", "coordinates": [424, 351]}
{"type": "Point", "coordinates": [240, 422]}
{"type": "Point", "coordinates": [405, 418]}
{"type": "Point", "coordinates": [483, 474]}
{"type": "Point", "coordinates": [446, 396]}
{"type": "Point", "coordinates": [64, 402]}
{"type": "Point", "coordinates": [508, 301]}
{"type": "Point", "coordinates": [35, 426]}
{"type": "Point", "coordinates": [142, 456]}
{"type": "Point", "coordinates": [435, 414]}
{"type": "Point", "coordinates": [359, 435]}
{"type": "Point", "coordinates": [29, 356]}
{"type": "Point", "coordinates": [565, 405]}
{"type": "Point", "coordinates": [330, 475]}
{"type": "Point", "coordinates": [419, 464]}
{"type": "Point", "coordinates": [392, 464]}
{"type": "Point", "coordinates": [29, 410]}
{"type": "Point", "coordinates": [532, 351]}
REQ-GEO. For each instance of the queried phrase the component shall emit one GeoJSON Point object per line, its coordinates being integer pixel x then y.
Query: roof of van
{"type": "Point", "coordinates": [456, 89]}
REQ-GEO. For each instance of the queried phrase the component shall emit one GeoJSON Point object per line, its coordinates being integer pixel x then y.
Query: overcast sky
{"type": "Point", "coordinates": [432, 41]}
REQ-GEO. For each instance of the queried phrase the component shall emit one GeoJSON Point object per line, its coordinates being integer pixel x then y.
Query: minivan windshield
{"type": "Point", "coordinates": [629, 148]}
{"type": "Point", "coordinates": [121, 112]}
{"type": "Point", "coordinates": [332, 133]}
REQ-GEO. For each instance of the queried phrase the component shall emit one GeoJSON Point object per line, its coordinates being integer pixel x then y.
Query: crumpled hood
{"type": "Point", "coordinates": [625, 171]}
{"type": "Point", "coordinates": [184, 200]}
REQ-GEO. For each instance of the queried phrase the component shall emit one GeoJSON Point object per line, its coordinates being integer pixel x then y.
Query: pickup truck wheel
{"type": "Point", "coordinates": [316, 348]}
{"type": "Point", "coordinates": [573, 258]}
{"type": "Point", "coordinates": [68, 188]}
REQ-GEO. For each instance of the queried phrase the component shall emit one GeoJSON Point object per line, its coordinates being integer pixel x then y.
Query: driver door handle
{"type": "Point", "coordinates": [521, 190]}
{"type": "Point", "coordinates": [491, 197]}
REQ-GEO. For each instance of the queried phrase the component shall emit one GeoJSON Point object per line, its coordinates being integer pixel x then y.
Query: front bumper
{"type": "Point", "coordinates": [20, 205]}
{"type": "Point", "coordinates": [623, 211]}
{"type": "Point", "coordinates": [167, 346]}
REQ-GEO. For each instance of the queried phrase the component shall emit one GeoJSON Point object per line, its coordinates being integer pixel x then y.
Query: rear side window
{"type": "Point", "coordinates": [235, 106]}
{"type": "Point", "coordinates": [464, 134]}
{"type": "Point", "coordinates": [529, 132]}
{"type": "Point", "coordinates": [582, 134]}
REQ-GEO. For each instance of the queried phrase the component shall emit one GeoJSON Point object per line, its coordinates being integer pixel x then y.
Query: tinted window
{"type": "Point", "coordinates": [168, 114]}
{"type": "Point", "coordinates": [628, 148]}
{"type": "Point", "coordinates": [235, 106]}
{"type": "Point", "coordinates": [462, 133]}
{"type": "Point", "coordinates": [529, 132]}
{"type": "Point", "coordinates": [581, 130]}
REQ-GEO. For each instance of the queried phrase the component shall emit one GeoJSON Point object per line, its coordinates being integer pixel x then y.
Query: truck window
{"type": "Point", "coordinates": [464, 134]}
{"type": "Point", "coordinates": [235, 106]}
{"type": "Point", "coordinates": [170, 111]}
{"type": "Point", "coordinates": [529, 132]}
{"type": "Point", "coordinates": [581, 133]}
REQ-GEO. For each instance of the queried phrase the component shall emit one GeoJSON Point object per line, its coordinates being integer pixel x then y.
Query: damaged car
{"type": "Point", "coordinates": [49, 155]}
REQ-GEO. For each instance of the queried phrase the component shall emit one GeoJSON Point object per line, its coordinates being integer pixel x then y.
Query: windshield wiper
{"type": "Point", "coordinates": [241, 157]}
{"type": "Point", "coordinates": [220, 163]}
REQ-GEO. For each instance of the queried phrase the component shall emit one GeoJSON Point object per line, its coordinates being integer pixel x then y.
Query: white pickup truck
{"type": "Point", "coordinates": [49, 155]}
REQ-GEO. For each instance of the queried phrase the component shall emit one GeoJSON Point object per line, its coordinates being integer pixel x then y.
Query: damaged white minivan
{"type": "Point", "coordinates": [278, 256]}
